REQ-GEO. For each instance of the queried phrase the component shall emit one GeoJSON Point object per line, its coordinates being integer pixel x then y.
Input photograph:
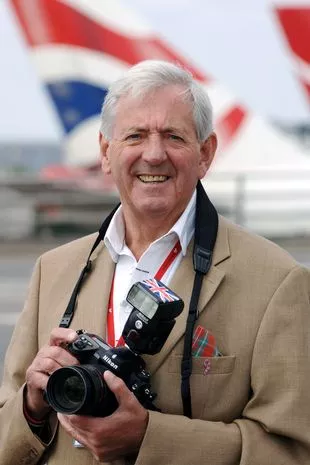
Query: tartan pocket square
{"type": "Point", "coordinates": [204, 344]}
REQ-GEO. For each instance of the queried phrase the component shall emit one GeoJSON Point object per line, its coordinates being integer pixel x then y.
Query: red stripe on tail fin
{"type": "Point", "coordinates": [229, 125]}
{"type": "Point", "coordinates": [295, 23]}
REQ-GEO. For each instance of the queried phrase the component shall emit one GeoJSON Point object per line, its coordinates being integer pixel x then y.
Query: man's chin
{"type": "Point", "coordinates": [153, 208]}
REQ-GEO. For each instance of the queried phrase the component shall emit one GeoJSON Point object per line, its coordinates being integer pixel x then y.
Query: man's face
{"type": "Point", "coordinates": [154, 156]}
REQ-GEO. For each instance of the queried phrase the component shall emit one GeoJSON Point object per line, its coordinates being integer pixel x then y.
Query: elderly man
{"type": "Point", "coordinates": [233, 377]}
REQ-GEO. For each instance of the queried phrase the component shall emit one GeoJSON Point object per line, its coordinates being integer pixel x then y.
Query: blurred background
{"type": "Point", "coordinates": [57, 59]}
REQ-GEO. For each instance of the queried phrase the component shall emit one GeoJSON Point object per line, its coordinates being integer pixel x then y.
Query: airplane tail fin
{"type": "Point", "coordinates": [295, 23]}
{"type": "Point", "coordinates": [79, 47]}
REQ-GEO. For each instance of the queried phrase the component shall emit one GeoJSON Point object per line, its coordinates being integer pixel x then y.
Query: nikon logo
{"type": "Point", "coordinates": [109, 362]}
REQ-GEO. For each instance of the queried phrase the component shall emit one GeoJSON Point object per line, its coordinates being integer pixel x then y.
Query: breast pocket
{"type": "Point", "coordinates": [211, 385]}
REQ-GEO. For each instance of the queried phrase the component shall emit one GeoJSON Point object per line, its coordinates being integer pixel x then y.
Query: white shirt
{"type": "Point", "coordinates": [128, 270]}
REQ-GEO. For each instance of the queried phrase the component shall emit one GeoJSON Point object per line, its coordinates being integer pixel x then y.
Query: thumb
{"type": "Point", "coordinates": [117, 386]}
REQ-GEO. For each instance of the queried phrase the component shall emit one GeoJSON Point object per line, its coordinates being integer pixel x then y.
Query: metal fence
{"type": "Point", "coordinates": [271, 203]}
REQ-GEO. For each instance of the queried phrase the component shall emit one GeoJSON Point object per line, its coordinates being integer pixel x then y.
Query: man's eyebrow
{"type": "Point", "coordinates": [171, 129]}
{"type": "Point", "coordinates": [135, 128]}
{"type": "Point", "coordinates": [163, 130]}
{"type": "Point", "coordinates": [126, 131]}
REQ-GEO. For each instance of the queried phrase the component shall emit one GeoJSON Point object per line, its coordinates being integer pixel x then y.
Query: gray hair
{"type": "Point", "coordinates": [150, 75]}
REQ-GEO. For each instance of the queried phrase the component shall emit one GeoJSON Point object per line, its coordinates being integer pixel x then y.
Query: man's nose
{"type": "Point", "coordinates": [155, 152]}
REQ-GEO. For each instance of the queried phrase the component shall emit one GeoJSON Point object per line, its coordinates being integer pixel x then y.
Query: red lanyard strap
{"type": "Point", "coordinates": [168, 261]}
{"type": "Point", "coordinates": [159, 274]}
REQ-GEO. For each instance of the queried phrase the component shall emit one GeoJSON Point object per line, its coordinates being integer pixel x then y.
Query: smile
{"type": "Point", "coordinates": [150, 178]}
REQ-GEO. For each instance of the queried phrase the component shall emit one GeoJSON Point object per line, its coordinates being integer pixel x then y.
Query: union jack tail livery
{"type": "Point", "coordinates": [79, 47]}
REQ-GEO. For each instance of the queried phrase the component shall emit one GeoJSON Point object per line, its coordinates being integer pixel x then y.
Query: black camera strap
{"type": "Point", "coordinates": [68, 315]}
{"type": "Point", "coordinates": [206, 226]}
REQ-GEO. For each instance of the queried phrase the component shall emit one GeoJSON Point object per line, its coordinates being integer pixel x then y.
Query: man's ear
{"type": "Point", "coordinates": [207, 152]}
{"type": "Point", "coordinates": [105, 161]}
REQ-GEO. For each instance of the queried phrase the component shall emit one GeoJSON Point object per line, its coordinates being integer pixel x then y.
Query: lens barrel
{"type": "Point", "coordinates": [80, 389]}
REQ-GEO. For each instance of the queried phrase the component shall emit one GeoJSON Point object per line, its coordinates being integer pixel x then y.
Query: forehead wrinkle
{"type": "Point", "coordinates": [151, 117]}
{"type": "Point", "coordinates": [135, 128]}
{"type": "Point", "coordinates": [161, 129]}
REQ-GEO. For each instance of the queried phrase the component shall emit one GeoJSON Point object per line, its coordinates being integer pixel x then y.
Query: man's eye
{"type": "Point", "coordinates": [134, 136]}
{"type": "Point", "coordinates": [175, 137]}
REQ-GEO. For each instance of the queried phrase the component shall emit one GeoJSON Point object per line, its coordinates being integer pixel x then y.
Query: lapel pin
{"type": "Point", "coordinates": [206, 366]}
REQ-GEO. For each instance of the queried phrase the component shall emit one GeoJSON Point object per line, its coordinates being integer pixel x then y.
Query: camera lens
{"type": "Point", "coordinates": [74, 390]}
{"type": "Point", "coordinates": [66, 390]}
{"type": "Point", "coordinates": [80, 389]}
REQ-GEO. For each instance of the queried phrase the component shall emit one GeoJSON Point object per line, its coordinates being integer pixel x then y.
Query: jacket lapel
{"type": "Point", "coordinates": [182, 285]}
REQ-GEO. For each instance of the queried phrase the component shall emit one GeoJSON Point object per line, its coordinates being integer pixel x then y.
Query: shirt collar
{"type": "Point", "coordinates": [184, 227]}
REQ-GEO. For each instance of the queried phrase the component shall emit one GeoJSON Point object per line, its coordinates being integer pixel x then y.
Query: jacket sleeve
{"type": "Point", "coordinates": [275, 425]}
{"type": "Point", "coordinates": [18, 445]}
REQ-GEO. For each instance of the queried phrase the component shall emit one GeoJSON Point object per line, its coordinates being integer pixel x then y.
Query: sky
{"type": "Point", "coordinates": [237, 42]}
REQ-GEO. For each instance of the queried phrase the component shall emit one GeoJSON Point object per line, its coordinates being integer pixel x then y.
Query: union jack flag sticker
{"type": "Point", "coordinates": [160, 290]}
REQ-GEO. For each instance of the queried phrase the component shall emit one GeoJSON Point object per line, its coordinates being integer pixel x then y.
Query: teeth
{"type": "Point", "coordinates": [149, 178]}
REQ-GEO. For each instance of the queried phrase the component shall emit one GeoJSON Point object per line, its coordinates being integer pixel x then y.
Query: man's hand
{"type": "Point", "coordinates": [115, 436]}
{"type": "Point", "coordinates": [48, 359]}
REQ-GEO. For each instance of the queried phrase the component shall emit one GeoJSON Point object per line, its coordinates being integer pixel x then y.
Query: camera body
{"type": "Point", "coordinates": [81, 389]}
{"type": "Point", "coordinates": [84, 391]}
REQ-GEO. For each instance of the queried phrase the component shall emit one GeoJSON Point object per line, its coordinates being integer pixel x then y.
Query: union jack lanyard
{"type": "Point", "coordinates": [160, 273]}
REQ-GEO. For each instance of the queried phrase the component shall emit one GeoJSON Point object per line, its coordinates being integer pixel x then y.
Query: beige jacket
{"type": "Point", "coordinates": [252, 408]}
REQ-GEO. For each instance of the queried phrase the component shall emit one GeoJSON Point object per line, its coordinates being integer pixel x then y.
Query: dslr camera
{"type": "Point", "coordinates": [81, 389]}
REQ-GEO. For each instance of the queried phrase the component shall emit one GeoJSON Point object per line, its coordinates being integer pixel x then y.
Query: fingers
{"type": "Point", "coordinates": [60, 355]}
{"type": "Point", "coordinates": [113, 436]}
{"type": "Point", "coordinates": [49, 359]}
{"type": "Point", "coordinates": [52, 357]}
{"type": "Point", "coordinates": [118, 387]}
{"type": "Point", "coordinates": [68, 425]}
{"type": "Point", "coordinates": [61, 336]}
{"type": "Point", "coordinates": [37, 380]}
